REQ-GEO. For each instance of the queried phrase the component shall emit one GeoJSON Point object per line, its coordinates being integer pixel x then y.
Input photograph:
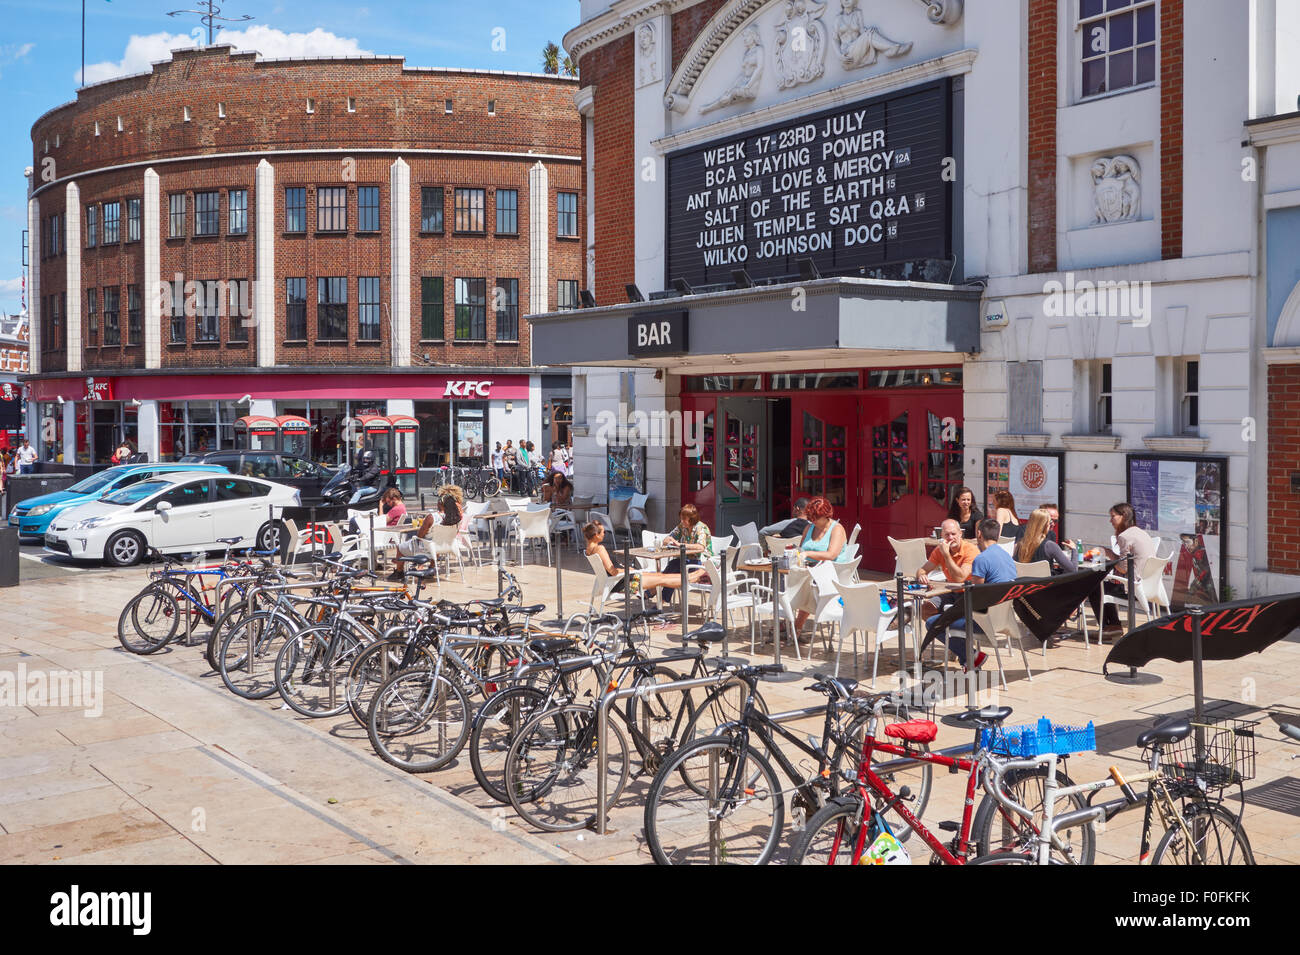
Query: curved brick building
{"type": "Point", "coordinates": [226, 235]}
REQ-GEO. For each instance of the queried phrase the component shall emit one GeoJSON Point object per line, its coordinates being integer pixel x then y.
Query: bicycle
{"type": "Point", "coordinates": [1185, 770]}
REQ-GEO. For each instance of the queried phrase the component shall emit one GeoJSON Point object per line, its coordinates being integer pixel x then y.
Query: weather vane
{"type": "Point", "coordinates": [209, 16]}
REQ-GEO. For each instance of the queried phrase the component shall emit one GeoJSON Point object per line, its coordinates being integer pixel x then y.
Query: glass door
{"type": "Point", "coordinates": [824, 457]}
{"type": "Point", "coordinates": [742, 493]}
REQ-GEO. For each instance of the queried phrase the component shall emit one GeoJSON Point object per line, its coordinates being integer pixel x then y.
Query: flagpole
{"type": "Point", "coordinates": [83, 42]}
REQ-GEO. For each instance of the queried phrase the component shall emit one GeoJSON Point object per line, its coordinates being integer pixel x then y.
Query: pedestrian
{"type": "Point", "coordinates": [26, 458]}
{"type": "Point", "coordinates": [498, 462]}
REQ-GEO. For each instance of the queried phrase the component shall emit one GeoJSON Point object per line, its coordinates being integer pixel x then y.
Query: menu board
{"type": "Point", "coordinates": [852, 187]}
{"type": "Point", "coordinates": [625, 464]}
{"type": "Point", "coordinates": [1184, 501]}
{"type": "Point", "coordinates": [1034, 480]}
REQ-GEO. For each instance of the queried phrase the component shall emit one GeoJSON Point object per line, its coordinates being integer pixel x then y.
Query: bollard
{"type": "Point", "coordinates": [1198, 681]}
{"type": "Point", "coordinates": [971, 701]}
{"type": "Point", "coordinates": [1132, 609]}
{"type": "Point", "coordinates": [898, 620]}
{"type": "Point", "coordinates": [686, 611]}
{"type": "Point", "coordinates": [776, 610]}
{"type": "Point", "coordinates": [722, 582]}
{"type": "Point", "coordinates": [372, 542]}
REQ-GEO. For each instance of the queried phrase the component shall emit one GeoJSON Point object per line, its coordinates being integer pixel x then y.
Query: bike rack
{"type": "Point", "coordinates": [602, 729]}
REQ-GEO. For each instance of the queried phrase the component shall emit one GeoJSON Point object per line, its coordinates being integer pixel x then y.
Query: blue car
{"type": "Point", "coordinates": [32, 517]}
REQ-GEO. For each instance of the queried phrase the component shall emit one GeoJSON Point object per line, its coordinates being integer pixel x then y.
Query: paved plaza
{"type": "Point", "coordinates": [175, 769]}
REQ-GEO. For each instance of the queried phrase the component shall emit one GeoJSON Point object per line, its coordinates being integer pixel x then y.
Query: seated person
{"type": "Point", "coordinates": [1135, 544]}
{"type": "Point", "coordinates": [954, 556]}
{"type": "Point", "coordinates": [1036, 544]}
{"type": "Point", "coordinates": [790, 527]}
{"type": "Point", "coordinates": [413, 546]}
{"type": "Point", "coordinates": [391, 507]}
{"type": "Point", "coordinates": [558, 490]}
{"type": "Point", "coordinates": [594, 533]}
{"type": "Point", "coordinates": [993, 566]}
{"type": "Point", "coordinates": [692, 532]}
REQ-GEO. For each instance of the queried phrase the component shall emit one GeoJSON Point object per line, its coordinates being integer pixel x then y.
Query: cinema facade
{"type": "Point", "coordinates": [882, 251]}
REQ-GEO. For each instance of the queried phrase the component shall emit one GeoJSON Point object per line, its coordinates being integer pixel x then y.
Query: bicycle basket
{"type": "Point", "coordinates": [1228, 757]}
{"type": "Point", "coordinates": [1023, 742]}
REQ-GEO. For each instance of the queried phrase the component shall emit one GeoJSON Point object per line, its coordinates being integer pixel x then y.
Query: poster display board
{"type": "Point", "coordinates": [625, 469]}
{"type": "Point", "coordinates": [1184, 500]}
{"type": "Point", "coordinates": [1034, 480]}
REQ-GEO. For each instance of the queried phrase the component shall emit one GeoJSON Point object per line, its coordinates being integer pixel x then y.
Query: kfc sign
{"type": "Point", "coordinates": [467, 389]}
{"type": "Point", "coordinates": [7, 392]}
{"type": "Point", "coordinates": [99, 390]}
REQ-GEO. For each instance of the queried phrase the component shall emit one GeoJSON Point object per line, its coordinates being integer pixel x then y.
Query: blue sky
{"type": "Point", "coordinates": [40, 57]}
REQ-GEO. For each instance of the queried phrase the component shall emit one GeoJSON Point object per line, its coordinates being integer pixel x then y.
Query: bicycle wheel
{"type": "Point", "coordinates": [721, 706]}
{"type": "Point", "coordinates": [491, 487]}
{"type": "Point", "coordinates": [311, 671]}
{"type": "Point", "coordinates": [418, 721]}
{"type": "Point", "coordinates": [831, 835]}
{"type": "Point", "coordinates": [150, 620]}
{"type": "Point", "coordinates": [551, 770]}
{"type": "Point", "coordinates": [736, 820]}
{"type": "Point", "coordinates": [1010, 858]}
{"type": "Point", "coordinates": [846, 756]}
{"type": "Point", "coordinates": [253, 678]}
{"type": "Point", "coordinates": [233, 613]}
{"type": "Point", "coordinates": [376, 665]}
{"type": "Point", "coordinates": [495, 727]}
{"type": "Point", "coordinates": [995, 830]}
{"type": "Point", "coordinates": [660, 719]}
{"type": "Point", "coordinates": [1216, 838]}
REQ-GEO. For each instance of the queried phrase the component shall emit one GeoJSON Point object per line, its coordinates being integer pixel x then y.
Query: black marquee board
{"type": "Point", "coordinates": [853, 188]}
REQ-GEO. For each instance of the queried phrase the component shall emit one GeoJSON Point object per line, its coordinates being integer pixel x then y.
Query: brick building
{"type": "Point", "coordinates": [908, 249]}
{"type": "Point", "coordinates": [13, 364]}
{"type": "Point", "coordinates": [226, 236]}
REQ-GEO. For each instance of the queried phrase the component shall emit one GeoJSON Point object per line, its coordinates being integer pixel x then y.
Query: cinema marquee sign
{"type": "Point", "coordinates": [855, 187]}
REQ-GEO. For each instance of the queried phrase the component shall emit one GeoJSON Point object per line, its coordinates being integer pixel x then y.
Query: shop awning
{"type": "Point", "coordinates": [836, 322]}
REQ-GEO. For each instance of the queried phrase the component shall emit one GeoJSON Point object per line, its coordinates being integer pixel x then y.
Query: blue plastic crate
{"type": "Point", "coordinates": [1039, 738]}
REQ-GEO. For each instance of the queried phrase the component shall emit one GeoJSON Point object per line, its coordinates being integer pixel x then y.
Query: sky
{"type": "Point", "coordinates": [40, 57]}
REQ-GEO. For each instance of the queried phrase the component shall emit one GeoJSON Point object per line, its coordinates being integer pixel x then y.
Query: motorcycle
{"type": "Point", "coordinates": [340, 488]}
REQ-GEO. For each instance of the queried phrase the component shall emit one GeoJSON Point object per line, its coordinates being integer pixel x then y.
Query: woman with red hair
{"type": "Point", "coordinates": [823, 540]}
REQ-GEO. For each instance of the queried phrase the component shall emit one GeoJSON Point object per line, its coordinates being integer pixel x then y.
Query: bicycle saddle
{"type": "Point", "coordinates": [1170, 731]}
{"type": "Point", "coordinates": [711, 632]}
{"type": "Point", "coordinates": [913, 731]}
{"type": "Point", "coordinates": [824, 681]}
{"type": "Point", "coordinates": [421, 574]}
{"type": "Point", "coordinates": [229, 540]}
{"type": "Point", "coordinates": [530, 609]}
{"type": "Point", "coordinates": [491, 602]}
{"type": "Point", "coordinates": [550, 648]}
{"type": "Point", "coordinates": [990, 715]}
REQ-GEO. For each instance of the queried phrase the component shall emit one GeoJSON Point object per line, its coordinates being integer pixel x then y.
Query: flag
{"type": "Point", "coordinates": [1043, 604]}
{"type": "Point", "coordinates": [1229, 631]}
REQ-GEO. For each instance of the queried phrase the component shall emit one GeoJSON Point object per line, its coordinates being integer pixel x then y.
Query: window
{"type": "Point", "coordinates": [1102, 404]}
{"type": "Point", "coordinates": [331, 209]}
{"type": "Point", "coordinates": [241, 311]}
{"type": "Point", "coordinates": [176, 215]}
{"type": "Point", "coordinates": [92, 226]}
{"type": "Point", "coordinates": [54, 235]}
{"type": "Point", "coordinates": [186, 114]}
{"type": "Point", "coordinates": [311, 105]}
{"type": "Point", "coordinates": [119, 124]}
{"type": "Point", "coordinates": [186, 495]}
{"type": "Point", "coordinates": [207, 206]}
{"type": "Point", "coordinates": [112, 222]}
{"type": "Point", "coordinates": [431, 209]}
{"type": "Point", "coordinates": [1190, 397]}
{"type": "Point", "coordinates": [237, 489]}
{"type": "Point", "coordinates": [134, 326]}
{"type": "Point", "coordinates": [368, 209]}
{"type": "Point", "coordinates": [59, 308]}
{"type": "Point", "coordinates": [470, 204]}
{"type": "Point", "coordinates": [368, 308]}
{"type": "Point", "coordinates": [566, 207]}
{"type": "Point", "coordinates": [112, 329]}
{"type": "Point", "coordinates": [331, 308]}
{"type": "Point", "coordinates": [295, 209]}
{"type": "Point", "coordinates": [507, 211]}
{"type": "Point", "coordinates": [96, 127]}
{"type": "Point", "coordinates": [431, 308]}
{"type": "Point", "coordinates": [178, 312]}
{"type": "Point", "coordinates": [237, 223]}
{"type": "Point", "coordinates": [492, 107]}
{"type": "Point", "coordinates": [1025, 397]}
{"type": "Point", "coordinates": [295, 315]}
{"type": "Point", "coordinates": [567, 295]}
{"type": "Point", "coordinates": [471, 310]}
{"type": "Point", "coordinates": [446, 106]}
{"type": "Point", "coordinates": [221, 111]}
{"type": "Point", "coordinates": [1117, 44]}
{"type": "Point", "coordinates": [133, 220]}
{"type": "Point", "coordinates": [207, 317]}
{"type": "Point", "coordinates": [352, 104]}
{"type": "Point", "coordinates": [506, 303]}
{"type": "Point", "coordinates": [92, 317]}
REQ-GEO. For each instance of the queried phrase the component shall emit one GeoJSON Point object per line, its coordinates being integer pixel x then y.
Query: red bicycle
{"type": "Point", "coordinates": [846, 827]}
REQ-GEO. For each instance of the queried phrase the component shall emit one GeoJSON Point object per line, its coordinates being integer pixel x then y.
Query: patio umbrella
{"type": "Point", "coordinates": [1043, 604]}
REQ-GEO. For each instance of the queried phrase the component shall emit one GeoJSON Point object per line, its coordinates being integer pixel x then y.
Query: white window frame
{"type": "Point", "coordinates": [1076, 42]}
{"type": "Point", "coordinates": [1186, 398]}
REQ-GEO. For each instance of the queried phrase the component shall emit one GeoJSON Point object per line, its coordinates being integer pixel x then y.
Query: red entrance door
{"type": "Point", "coordinates": [824, 456]}
{"type": "Point", "coordinates": [912, 453]}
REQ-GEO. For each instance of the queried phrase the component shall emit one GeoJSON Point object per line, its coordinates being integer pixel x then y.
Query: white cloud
{"type": "Point", "coordinates": [11, 286]}
{"type": "Point", "coordinates": [142, 51]}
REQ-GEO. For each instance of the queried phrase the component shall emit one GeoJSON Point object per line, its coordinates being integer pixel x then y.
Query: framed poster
{"type": "Point", "coordinates": [1034, 480]}
{"type": "Point", "coordinates": [1185, 500]}
{"type": "Point", "coordinates": [625, 469]}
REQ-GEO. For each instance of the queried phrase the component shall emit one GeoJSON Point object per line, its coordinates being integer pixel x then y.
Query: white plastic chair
{"type": "Point", "coordinates": [846, 571]}
{"type": "Point", "coordinates": [1038, 568]}
{"type": "Point", "coordinates": [604, 584]}
{"type": "Point", "coordinates": [618, 513]}
{"type": "Point", "coordinates": [1000, 621]}
{"type": "Point", "coordinates": [636, 511]}
{"type": "Point", "coordinates": [745, 533]}
{"type": "Point", "coordinates": [910, 554]}
{"type": "Point", "coordinates": [776, 545]}
{"type": "Point", "coordinates": [441, 542]}
{"type": "Point", "coordinates": [562, 522]}
{"type": "Point", "coordinates": [534, 525]}
{"type": "Point", "coordinates": [853, 538]}
{"type": "Point", "coordinates": [862, 614]}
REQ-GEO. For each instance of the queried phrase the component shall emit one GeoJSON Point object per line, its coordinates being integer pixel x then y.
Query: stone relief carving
{"type": "Point", "coordinates": [745, 85]}
{"type": "Point", "coordinates": [942, 11]}
{"type": "Point", "coordinates": [647, 61]}
{"type": "Point", "coordinates": [800, 43]}
{"type": "Point", "coordinates": [858, 43]}
{"type": "Point", "coordinates": [1116, 190]}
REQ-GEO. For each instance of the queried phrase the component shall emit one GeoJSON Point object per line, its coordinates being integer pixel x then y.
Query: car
{"type": "Point", "coordinates": [177, 513]}
{"type": "Point", "coordinates": [289, 469]}
{"type": "Point", "coordinates": [33, 516]}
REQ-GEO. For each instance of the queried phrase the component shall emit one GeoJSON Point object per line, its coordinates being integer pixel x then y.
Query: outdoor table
{"type": "Point", "coordinates": [498, 533]}
{"type": "Point", "coordinates": [658, 554]}
{"type": "Point", "coordinates": [763, 568]}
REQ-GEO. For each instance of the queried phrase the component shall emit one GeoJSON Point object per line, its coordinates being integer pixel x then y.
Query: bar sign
{"type": "Point", "coordinates": [657, 333]}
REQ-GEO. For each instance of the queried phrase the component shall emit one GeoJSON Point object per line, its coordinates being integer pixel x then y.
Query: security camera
{"type": "Point", "coordinates": [60, 397]}
{"type": "Point", "coordinates": [136, 402]}
{"type": "Point", "coordinates": [247, 399]}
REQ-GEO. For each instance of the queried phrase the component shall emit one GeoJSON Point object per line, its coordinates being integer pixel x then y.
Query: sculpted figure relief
{"type": "Point", "coordinates": [647, 70]}
{"type": "Point", "coordinates": [745, 86]}
{"type": "Point", "coordinates": [800, 43]}
{"type": "Point", "coordinates": [1116, 190]}
{"type": "Point", "coordinates": [858, 43]}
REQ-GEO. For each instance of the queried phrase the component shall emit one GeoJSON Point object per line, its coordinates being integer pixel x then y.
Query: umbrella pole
{"type": "Point", "coordinates": [1198, 682]}
{"type": "Point", "coordinates": [971, 678]}
{"type": "Point", "coordinates": [1132, 609]}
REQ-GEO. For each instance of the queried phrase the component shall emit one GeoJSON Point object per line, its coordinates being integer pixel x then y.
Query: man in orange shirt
{"type": "Point", "coordinates": [954, 556]}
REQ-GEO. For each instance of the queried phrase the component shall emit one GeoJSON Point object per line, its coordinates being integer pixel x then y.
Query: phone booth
{"type": "Point", "coordinates": [295, 435]}
{"type": "Point", "coordinates": [257, 433]}
{"type": "Point", "coordinates": [406, 442]}
{"type": "Point", "coordinates": [372, 432]}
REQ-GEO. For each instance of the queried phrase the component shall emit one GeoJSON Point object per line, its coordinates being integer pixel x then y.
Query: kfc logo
{"type": "Point", "coordinates": [467, 389]}
{"type": "Point", "coordinates": [7, 392]}
{"type": "Point", "coordinates": [1033, 476]}
{"type": "Point", "coordinates": [101, 390]}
